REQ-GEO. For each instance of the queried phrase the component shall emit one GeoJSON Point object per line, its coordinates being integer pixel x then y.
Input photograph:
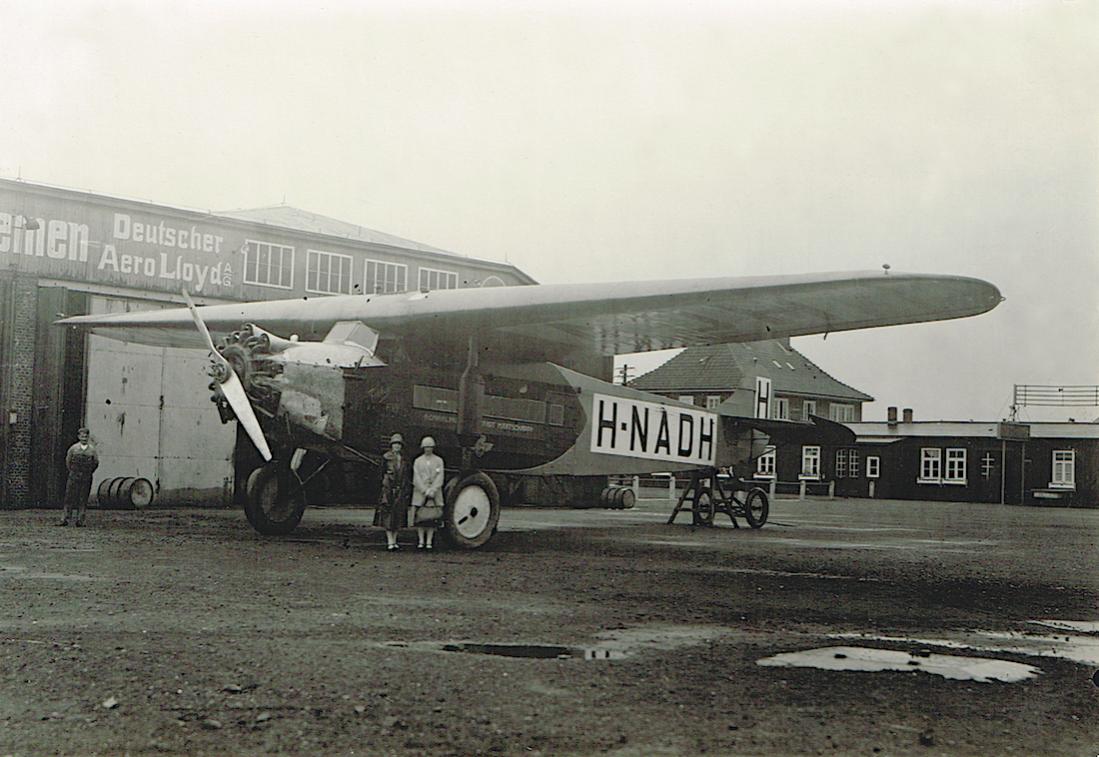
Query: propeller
{"type": "Point", "coordinates": [231, 386]}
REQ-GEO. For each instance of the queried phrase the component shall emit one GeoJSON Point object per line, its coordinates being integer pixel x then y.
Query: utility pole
{"type": "Point", "coordinates": [625, 373]}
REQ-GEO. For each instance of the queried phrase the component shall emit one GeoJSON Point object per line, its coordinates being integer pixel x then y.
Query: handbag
{"type": "Point", "coordinates": [428, 513]}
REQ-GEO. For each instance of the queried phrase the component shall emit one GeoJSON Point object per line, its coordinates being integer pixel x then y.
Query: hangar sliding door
{"type": "Point", "coordinates": [149, 411]}
{"type": "Point", "coordinates": [57, 392]}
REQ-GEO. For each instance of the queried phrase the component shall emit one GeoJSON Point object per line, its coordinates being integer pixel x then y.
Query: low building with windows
{"type": "Point", "coordinates": [972, 461]}
{"type": "Point", "coordinates": [67, 252]}
{"type": "Point", "coordinates": [761, 379]}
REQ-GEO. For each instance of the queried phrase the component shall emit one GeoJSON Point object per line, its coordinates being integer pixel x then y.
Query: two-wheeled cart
{"type": "Point", "coordinates": [712, 491]}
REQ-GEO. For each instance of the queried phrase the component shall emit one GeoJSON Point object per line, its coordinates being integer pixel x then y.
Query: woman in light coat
{"type": "Point", "coordinates": [427, 494]}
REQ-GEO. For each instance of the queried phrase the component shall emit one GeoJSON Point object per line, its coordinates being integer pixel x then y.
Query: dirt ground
{"type": "Point", "coordinates": [185, 632]}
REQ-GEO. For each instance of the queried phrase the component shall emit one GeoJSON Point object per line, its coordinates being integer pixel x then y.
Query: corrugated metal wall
{"type": "Point", "coordinates": [149, 411]}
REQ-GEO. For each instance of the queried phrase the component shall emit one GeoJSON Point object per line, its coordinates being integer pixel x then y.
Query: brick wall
{"type": "Point", "coordinates": [18, 376]}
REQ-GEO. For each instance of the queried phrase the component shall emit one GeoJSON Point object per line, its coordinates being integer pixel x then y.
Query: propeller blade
{"type": "Point", "coordinates": [238, 400]}
{"type": "Point", "coordinates": [231, 387]}
{"type": "Point", "coordinates": [201, 325]}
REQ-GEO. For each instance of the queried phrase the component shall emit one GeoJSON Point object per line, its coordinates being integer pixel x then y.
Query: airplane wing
{"type": "Point", "coordinates": [544, 322]}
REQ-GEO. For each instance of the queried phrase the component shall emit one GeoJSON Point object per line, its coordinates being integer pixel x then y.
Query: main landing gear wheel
{"type": "Point", "coordinates": [704, 508]}
{"type": "Point", "coordinates": [472, 511]}
{"type": "Point", "coordinates": [273, 507]}
{"type": "Point", "coordinates": [756, 508]}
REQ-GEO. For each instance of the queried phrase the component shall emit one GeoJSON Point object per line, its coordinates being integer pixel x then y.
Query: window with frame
{"type": "Point", "coordinates": [810, 462]}
{"type": "Point", "coordinates": [712, 401]}
{"type": "Point", "coordinates": [782, 408]}
{"type": "Point", "coordinates": [988, 463]}
{"type": "Point", "coordinates": [841, 413]}
{"type": "Point", "coordinates": [765, 464]}
{"type": "Point", "coordinates": [1064, 469]}
{"type": "Point", "coordinates": [809, 407]}
{"type": "Point", "coordinates": [873, 466]}
{"type": "Point", "coordinates": [955, 466]}
{"type": "Point", "coordinates": [847, 463]}
{"type": "Point", "coordinates": [267, 264]}
{"type": "Point", "coordinates": [327, 272]}
{"type": "Point", "coordinates": [380, 277]}
{"type": "Point", "coordinates": [931, 465]}
{"type": "Point", "coordinates": [436, 278]}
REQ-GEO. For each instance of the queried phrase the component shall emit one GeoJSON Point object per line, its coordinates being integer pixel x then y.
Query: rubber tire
{"type": "Point", "coordinates": [749, 515]}
{"type": "Point", "coordinates": [453, 493]}
{"type": "Point", "coordinates": [704, 516]}
{"type": "Point", "coordinates": [263, 483]}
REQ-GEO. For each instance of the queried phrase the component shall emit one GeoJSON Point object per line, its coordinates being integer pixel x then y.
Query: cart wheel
{"type": "Point", "coordinates": [704, 507]}
{"type": "Point", "coordinates": [756, 508]}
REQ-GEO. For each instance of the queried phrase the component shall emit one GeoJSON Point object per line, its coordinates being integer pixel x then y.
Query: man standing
{"type": "Point", "coordinates": [81, 461]}
{"type": "Point", "coordinates": [427, 493]}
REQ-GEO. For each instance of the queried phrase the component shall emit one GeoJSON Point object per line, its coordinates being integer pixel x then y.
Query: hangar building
{"type": "Point", "coordinates": [65, 252]}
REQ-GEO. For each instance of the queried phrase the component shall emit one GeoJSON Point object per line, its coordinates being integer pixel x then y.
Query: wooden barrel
{"type": "Point", "coordinates": [617, 498]}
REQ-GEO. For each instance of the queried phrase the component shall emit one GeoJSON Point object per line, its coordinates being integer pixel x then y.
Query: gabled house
{"type": "Point", "coordinates": [761, 379]}
{"type": "Point", "coordinates": [730, 373]}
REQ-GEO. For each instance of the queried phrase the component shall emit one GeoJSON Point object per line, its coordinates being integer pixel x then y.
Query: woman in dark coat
{"type": "Point", "coordinates": [392, 511]}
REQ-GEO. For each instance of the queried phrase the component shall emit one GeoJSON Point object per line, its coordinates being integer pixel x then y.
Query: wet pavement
{"type": "Point", "coordinates": [840, 627]}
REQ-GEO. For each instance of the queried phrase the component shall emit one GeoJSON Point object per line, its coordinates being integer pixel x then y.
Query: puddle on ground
{"type": "Point", "coordinates": [955, 667]}
{"type": "Point", "coordinates": [615, 644]}
{"type": "Point", "coordinates": [1082, 649]}
{"type": "Point", "coordinates": [1083, 626]}
{"type": "Point", "coordinates": [537, 651]}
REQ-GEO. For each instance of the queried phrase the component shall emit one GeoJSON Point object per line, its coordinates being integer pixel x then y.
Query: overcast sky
{"type": "Point", "coordinates": [625, 140]}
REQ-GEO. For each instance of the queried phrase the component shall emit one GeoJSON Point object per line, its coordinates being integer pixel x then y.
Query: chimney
{"type": "Point", "coordinates": [891, 415]}
{"type": "Point", "coordinates": [907, 415]}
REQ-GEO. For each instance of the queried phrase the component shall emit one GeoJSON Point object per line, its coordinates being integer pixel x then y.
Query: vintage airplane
{"type": "Point", "coordinates": [487, 373]}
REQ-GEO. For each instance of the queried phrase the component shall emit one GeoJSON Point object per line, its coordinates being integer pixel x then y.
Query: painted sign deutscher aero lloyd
{"type": "Point", "coordinates": [635, 428]}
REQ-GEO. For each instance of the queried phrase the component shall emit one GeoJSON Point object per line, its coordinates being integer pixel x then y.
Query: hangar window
{"type": "Point", "coordinates": [269, 265]}
{"type": "Point", "coordinates": [765, 464]}
{"type": "Point", "coordinates": [955, 466]}
{"type": "Point", "coordinates": [380, 277]}
{"type": "Point", "coordinates": [435, 278]}
{"type": "Point", "coordinates": [873, 466]}
{"type": "Point", "coordinates": [931, 466]}
{"type": "Point", "coordinates": [810, 462]}
{"type": "Point", "coordinates": [327, 272]}
{"type": "Point", "coordinates": [1064, 469]}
